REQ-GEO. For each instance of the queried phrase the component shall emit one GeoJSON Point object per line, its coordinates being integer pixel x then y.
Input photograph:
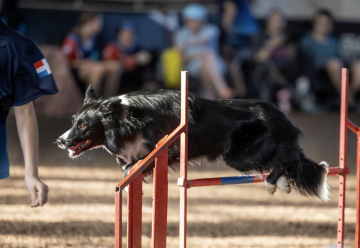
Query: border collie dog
{"type": "Point", "coordinates": [248, 135]}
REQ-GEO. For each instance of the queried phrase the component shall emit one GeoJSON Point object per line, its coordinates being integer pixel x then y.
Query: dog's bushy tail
{"type": "Point", "coordinates": [310, 179]}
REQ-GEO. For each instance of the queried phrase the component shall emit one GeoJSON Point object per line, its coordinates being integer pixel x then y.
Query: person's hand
{"type": "Point", "coordinates": [142, 58]}
{"type": "Point", "coordinates": [276, 41]}
{"type": "Point", "coordinates": [38, 191]}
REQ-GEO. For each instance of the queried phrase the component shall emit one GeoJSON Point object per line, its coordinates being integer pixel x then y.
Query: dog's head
{"type": "Point", "coordinates": [93, 124]}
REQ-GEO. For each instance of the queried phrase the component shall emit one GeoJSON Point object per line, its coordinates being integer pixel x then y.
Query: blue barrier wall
{"type": "Point", "coordinates": [50, 27]}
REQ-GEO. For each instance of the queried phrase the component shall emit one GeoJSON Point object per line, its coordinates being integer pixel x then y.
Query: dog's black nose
{"type": "Point", "coordinates": [60, 141]}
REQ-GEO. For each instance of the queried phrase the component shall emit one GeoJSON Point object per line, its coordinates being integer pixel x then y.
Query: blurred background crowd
{"type": "Point", "coordinates": [229, 53]}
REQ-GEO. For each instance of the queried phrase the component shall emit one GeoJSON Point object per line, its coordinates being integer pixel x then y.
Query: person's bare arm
{"type": "Point", "coordinates": [265, 52]}
{"type": "Point", "coordinates": [194, 42]}
{"type": "Point", "coordinates": [29, 139]}
{"type": "Point", "coordinates": [228, 16]}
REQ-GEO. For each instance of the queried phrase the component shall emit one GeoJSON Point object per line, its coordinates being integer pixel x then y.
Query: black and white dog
{"type": "Point", "coordinates": [248, 135]}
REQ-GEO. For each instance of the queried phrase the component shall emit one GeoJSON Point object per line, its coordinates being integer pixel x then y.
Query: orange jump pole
{"type": "Point", "coordinates": [134, 223]}
{"type": "Point", "coordinates": [160, 192]}
{"type": "Point", "coordinates": [183, 159]}
{"type": "Point", "coordinates": [343, 141]}
{"type": "Point", "coordinates": [118, 218]}
{"type": "Point", "coordinates": [160, 201]}
{"type": "Point", "coordinates": [342, 155]}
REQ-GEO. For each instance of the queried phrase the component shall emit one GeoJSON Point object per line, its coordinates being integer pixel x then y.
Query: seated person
{"type": "Point", "coordinates": [239, 28]}
{"type": "Point", "coordinates": [136, 65]}
{"type": "Point", "coordinates": [320, 52]}
{"type": "Point", "coordinates": [79, 48]}
{"type": "Point", "coordinates": [276, 56]}
{"type": "Point", "coordinates": [237, 22]}
{"type": "Point", "coordinates": [198, 43]}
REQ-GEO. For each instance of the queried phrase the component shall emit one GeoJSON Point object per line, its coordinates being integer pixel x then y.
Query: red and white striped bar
{"type": "Point", "coordinates": [245, 179]}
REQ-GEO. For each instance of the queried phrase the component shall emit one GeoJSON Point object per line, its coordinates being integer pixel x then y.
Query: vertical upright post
{"type": "Point", "coordinates": [118, 218]}
{"type": "Point", "coordinates": [342, 155]}
{"type": "Point", "coordinates": [134, 224]}
{"type": "Point", "coordinates": [183, 158]}
{"type": "Point", "coordinates": [160, 201]}
{"type": "Point", "coordinates": [357, 223]}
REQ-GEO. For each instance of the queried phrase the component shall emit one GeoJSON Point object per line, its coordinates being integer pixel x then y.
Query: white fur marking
{"type": "Point", "coordinates": [283, 184]}
{"type": "Point", "coordinates": [134, 150]}
{"type": "Point", "coordinates": [325, 189]}
{"type": "Point", "coordinates": [104, 147]}
{"type": "Point", "coordinates": [271, 188]}
{"type": "Point", "coordinates": [71, 152]}
{"type": "Point", "coordinates": [65, 135]}
{"type": "Point", "coordinates": [198, 161]}
{"type": "Point", "coordinates": [124, 100]}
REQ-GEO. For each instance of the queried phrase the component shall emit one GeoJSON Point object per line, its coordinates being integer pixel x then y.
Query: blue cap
{"type": "Point", "coordinates": [195, 11]}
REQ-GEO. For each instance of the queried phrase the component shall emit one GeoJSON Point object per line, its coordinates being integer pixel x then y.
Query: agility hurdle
{"type": "Point", "coordinates": [160, 188]}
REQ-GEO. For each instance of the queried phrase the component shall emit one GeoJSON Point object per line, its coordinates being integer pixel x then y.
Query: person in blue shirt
{"type": "Point", "coordinates": [25, 75]}
{"type": "Point", "coordinates": [238, 22]}
{"type": "Point", "coordinates": [198, 42]}
{"type": "Point", "coordinates": [321, 54]}
{"type": "Point", "coordinates": [319, 50]}
{"type": "Point", "coordinates": [239, 28]}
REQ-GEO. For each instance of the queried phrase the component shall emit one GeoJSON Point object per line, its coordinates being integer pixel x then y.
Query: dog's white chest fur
{"type": "Point", "coordinates": [134, 151]}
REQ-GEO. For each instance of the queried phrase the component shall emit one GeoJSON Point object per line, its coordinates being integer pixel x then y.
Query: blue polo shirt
{"type": "Point", "coordinates": [244, 23]}
{"type": "Point", "coordinates": [24, 76]}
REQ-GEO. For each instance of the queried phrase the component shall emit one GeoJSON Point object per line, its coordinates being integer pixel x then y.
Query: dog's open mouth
{"type": "Point", "coordinates": [81, 146]}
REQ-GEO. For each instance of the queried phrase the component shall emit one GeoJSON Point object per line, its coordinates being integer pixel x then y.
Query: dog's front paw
{"type": "Point", "coordinates": [283, 184]}
{"type": "Point", "coordinates": [271, 188]}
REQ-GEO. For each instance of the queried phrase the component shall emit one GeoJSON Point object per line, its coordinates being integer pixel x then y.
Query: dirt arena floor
{"type": "Point", "coordinates": [80, 211]}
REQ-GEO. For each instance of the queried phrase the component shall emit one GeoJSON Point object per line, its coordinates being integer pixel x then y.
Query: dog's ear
{"type": "Point", "coordinates": [90, 96]}
{"type": "Point", "coordinates": [112, 104]}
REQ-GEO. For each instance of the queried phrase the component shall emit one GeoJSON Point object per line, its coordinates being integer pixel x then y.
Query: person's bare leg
{"type": "Point", "coordinates": [112, 82]}
{"type": "Point", "coordinates": [234, 66]}
{"type": "Point", "coordinates": [239, 81]}
{"type": "Point", "coordinates": [209, 68]}
{"type": "Point", "coordinates": [208, 90]}
{"type": "Point", "coordinates": [333, 68]}
{"type": "Point", "coordinates": [95, 75]}
{"type": "Point", "coordinates": [150, 85]}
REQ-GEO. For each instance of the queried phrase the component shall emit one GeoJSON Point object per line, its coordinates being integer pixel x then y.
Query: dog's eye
{"type": "Point", "coordinates": [82, 126]}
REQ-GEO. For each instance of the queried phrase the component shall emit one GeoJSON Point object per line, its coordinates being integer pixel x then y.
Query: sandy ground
{"type": "Point", "coordinates": [80, 211]}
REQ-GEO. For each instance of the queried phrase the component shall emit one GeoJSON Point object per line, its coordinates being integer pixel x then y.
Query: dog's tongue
{"type": "Point", "coordinates": [77, 145]}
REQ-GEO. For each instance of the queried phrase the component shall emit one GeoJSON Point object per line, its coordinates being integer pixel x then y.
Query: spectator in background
{"type": "Point", "coordinates": [13, 17]}
{"type": "Point", "coordinates": [198, 42]}
{"type": "Point", "coordinates": [166, 19]}
{"type": "Point", "coordinates": [238, 30]}
{"type": "Point", "coordinates": [320, 52]}
{"type": "Point", "coordinates": [136, 65]}
{"type": "Point", "coordinates": [276, 58]}
{"type": "Point", "coordinates": [238, 22]}
{"type": "Point", "coordinates": [79, 48]}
